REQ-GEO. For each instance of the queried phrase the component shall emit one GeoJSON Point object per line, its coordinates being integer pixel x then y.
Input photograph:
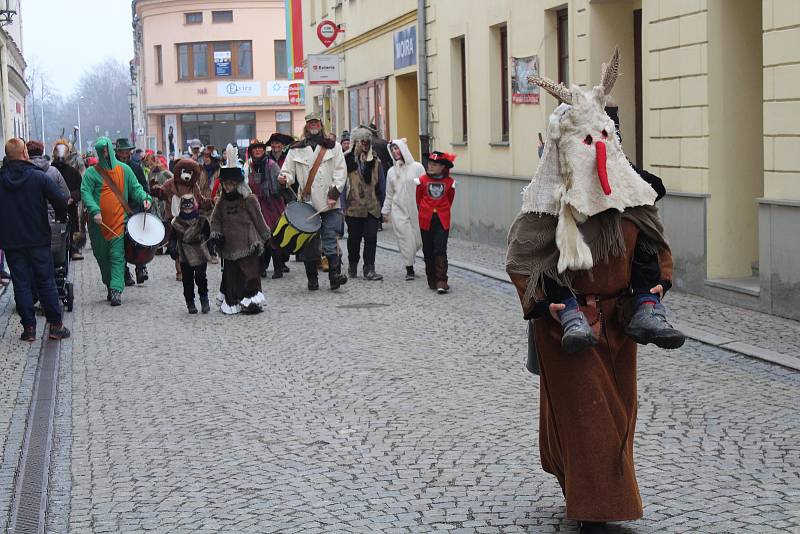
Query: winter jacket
{"type": "Point", "coordinates": [72, 178]}
{"type": "Point", "coordinates": [24, 193]}
{"type": "Point", "coordinates": [241, 225]}
{"type": "Point", "coordinates": [363, 182]}
{"type": "Point", "coordinates": [192, 235]}
{"type": "Point", "coordinates": [44, 164]}
{"type": "Point", "coordinates": [330, 178]}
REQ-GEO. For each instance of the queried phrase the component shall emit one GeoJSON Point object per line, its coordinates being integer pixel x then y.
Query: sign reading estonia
{"type": "Point", "coordinates": [323, 69]}
{"type": "Point", "coordinates": [238, 89]}
{"type": "Point", "coordinates": [405, 48]}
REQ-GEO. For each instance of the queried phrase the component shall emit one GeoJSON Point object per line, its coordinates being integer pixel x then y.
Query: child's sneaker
{"type": "Point", "coordinates": [649, 325]}
{"type": "Point", "coordinates": [578, 335]}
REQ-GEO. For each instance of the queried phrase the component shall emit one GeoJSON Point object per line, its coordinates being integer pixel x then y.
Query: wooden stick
{"type": "Point", "coordinates": [109, 229]}
{"type": "Point", "coordinates": [320, 212]}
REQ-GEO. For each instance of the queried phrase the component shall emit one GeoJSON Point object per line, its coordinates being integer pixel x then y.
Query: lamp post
{"type": "Point", "coordinates": [80, 133]}
{"type": "Point", "coordinates": [8, 8]}
{"type": "Point", "coordinates": [132, 102]}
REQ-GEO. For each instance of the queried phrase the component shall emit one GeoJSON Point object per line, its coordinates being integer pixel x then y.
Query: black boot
{"type": "Point", "coordinates": [141, 274]}
{"type": "Point", "coordinates": [128, 278]}
{"type": "Point", "coordinates": [410, 274]}
{"type": "Point", "coordinates": [204, 306]}
{"type": "Point", "coordinates": [191, 307]}
{"type": "Point", "coordinates": [277, 265]}
{"type": "Point", "coordinates": [352, 270]}
{"type": "Point", "coordinates": [370, 274]}
{"type": "Point", "coordinates": [116, 297]}
{"type": "Point", "coordinates": [312, 275]}
{"type": "Point", "coordinates": [591, 527]}
{"type": "Point", "coordinates": [440, 268]}
{"type": "Point", "coordinates": [335, 276]}
{"type": "Point", "coordinates": [108, 294]}
{"type": "Point", "coordinates": [430, 273]}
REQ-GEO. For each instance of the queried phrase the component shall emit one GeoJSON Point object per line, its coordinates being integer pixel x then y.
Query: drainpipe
{"type": "Point", "coordinates": [422, 32]}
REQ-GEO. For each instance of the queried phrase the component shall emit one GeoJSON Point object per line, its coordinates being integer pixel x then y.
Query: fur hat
{"type": "Point", "coordinates": [187, 167]}
{"type": "Point", "coordinates": [360, 134]}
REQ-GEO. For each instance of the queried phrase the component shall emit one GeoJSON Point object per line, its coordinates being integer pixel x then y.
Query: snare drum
{"type": "Point", "coordinates": [297, 225]}
{"type": "Point", "coordinates": [143, 234]}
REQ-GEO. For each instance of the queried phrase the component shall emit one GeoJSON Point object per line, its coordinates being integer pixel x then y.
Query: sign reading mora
{"type": "Point", "coordinates": [405, 48]}
{"type": "Point", "coordinates": [323, 69]}
{"type": "Point", "coordinates": [239, 89]}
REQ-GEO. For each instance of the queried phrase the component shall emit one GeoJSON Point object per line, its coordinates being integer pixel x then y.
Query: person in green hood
{"type": "Point", "coordinates": [107, 216]}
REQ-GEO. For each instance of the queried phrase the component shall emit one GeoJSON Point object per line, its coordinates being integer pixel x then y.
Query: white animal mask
{"type": "Point", "coordinates": [583, 170]}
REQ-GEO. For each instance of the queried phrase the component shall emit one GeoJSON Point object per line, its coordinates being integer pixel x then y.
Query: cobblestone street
{"type": "Point", "coordinates": [381, 408]}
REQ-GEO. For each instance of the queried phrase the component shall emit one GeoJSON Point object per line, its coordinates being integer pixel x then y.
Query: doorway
{"type": "Point", "coordinates": [408, 112]}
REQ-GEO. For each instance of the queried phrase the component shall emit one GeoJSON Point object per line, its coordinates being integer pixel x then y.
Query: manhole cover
{"type": "Point", "coordinates": [362, 305]}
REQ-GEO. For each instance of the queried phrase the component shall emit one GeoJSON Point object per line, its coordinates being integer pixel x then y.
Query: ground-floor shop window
{"type": "Point", "coordinates": [283, 122]}
{"type": "Point", "coordinates": [368, 105]}
{"type": "Point", "coordinates": [219, 129]}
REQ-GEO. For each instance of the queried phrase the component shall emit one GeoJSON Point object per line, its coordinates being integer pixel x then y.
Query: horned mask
{"type": "Point", "coordinates": [583, 170]}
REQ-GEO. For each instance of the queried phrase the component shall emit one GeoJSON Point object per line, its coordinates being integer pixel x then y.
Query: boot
{"type": "Point", "coordinates": [430, 274]}
{"type": "Point", "coordinates": [28, 333]}
{"type": "Point", "coordinates": [58, 331]}
{"type": "Point", "coordinates": [410, 274]}
{"type": "Point", "coordinates": [204, 306]}
{"type": "Point", "coordinates": [352, 270]}
{"type": "Point", "coordinates": [116, 297]}
{"type": "Point", "coordinates": [335, 276]}
{"type": "Point", "coordinates": [277, 265]}
{"type": "Point", "coordinates": [370, 274]}
{"type": "Point", "coordinates": [440, 264]}
{"type": "Point", "coordinates": [311, 274]}
{"type": "Point", "coordinates": [591, 527]}
{"type": "Point", "coordinates": [578, 335]}
{"type": "Point", "coordinates": [128, 278]}
{"type": "Point", "coordinates": [191, 306]}
{"type": "Point", "coordinates": [141, 274]}
{"type": "Point", "coordinates": [178, 274]}
{"type": "Point", "coordinates": [108, 294]}
{"type": "Point", "coordinates": [649, 325]}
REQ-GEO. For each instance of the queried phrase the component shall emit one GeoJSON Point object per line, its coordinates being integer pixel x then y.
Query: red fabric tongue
{"type": "Point", "coordinates": [602, 173]}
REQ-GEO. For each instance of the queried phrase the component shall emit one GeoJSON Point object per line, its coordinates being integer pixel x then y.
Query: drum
{"type": "Point", "coordinates": [143, 234]}
{"type": "Point", "coordinates": [297, 225]}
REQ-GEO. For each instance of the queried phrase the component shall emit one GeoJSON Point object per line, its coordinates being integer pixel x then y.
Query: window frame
{"type": "Point", "coordinates": [463, 72]}
{"type": "Point", "coordinates": [210, 47]}
{"type": "Point", "coordinates": [187, 22]}
{"type": "Point", "coordinates": [159, 64]}
{"type": "Point", "coordinates": [562, 45]}
{"type": "Point", "coordinates": [218, 12]}
{"type": "Point", "coordinates": [370, 94]}
{"type": "Point", "coordinates": [290, 122]}
{"type": "Point", "coordinates": [284, 75]}
{"type": "Point", "coordinates": [505, 110]}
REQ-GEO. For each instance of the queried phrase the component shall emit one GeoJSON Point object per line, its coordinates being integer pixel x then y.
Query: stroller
{"type": "Point", "coordinates": [60, 237]}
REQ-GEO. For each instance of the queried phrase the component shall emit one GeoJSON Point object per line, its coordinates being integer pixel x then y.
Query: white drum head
{"type": "Point", "coordinates": [146, 229]}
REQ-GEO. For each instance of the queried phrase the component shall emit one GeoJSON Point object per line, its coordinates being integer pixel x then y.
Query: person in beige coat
{"type": "Point", "coordinates": [326, 190]}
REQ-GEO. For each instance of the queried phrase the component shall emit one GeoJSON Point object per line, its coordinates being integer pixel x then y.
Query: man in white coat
{"type": "Point", "coordinates": [400, 205]}
{"type": "Point", "coordinates": [323, 194]}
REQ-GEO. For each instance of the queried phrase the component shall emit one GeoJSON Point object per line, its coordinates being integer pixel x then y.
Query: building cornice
{"type": "Point", "coordinates": [199, 108]}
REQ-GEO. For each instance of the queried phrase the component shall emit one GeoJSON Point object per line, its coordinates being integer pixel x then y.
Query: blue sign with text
{"type": "Point", "coordinates": [405, 48]}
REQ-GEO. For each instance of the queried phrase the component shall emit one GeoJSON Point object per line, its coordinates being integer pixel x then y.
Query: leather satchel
{"type": "Point", "coordinates": [313, 172]}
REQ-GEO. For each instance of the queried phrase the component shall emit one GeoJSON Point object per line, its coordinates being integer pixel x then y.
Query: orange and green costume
{"type": "Point", "coordinates": [108, 242]}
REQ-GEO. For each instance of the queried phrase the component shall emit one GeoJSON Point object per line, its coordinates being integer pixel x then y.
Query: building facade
{"type": "Point", "coordinates": [709, 100]}
{"type": "Point", "coordinates": [210, 70]}
{"type": "Point", "coordinates": [14, 89]}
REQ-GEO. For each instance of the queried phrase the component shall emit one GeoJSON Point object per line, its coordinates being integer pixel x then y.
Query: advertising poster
{"type": "Point", "coordinates": [523, 92]}
{"type": "Point", "coordinates": [171, 134]}
{"type": "Point", "coordinates": [222, 63]}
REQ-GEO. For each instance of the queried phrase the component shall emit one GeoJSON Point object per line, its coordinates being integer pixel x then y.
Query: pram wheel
{"type": "Point", "coordinates": [69, 297]}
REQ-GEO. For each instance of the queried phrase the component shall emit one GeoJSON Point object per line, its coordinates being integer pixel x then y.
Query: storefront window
{"type": "Point", "coordinates": [368, 105]}
{"type": "Point", "coordinates": [219, 129]}
{"type": "Point", "coordinates": [283, 122]}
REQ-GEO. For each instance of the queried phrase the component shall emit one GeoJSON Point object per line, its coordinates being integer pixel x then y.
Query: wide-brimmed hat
{"type": "Point", "coordinates": [256, 143]}
{"type": "Point", "coordinates": [280, 138]}
{"type": "Point", "coordinates": [123, 143]}
{"type": "Point", "coordinates": [442, 157]}
{"type": "Point", "coordinates": [314, 116]}
{"type": "Point", "coordinates": [232, 174]}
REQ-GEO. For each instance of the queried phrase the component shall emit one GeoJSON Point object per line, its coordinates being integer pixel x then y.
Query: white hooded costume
{"type": "Point", "coordinates": [401, 201]}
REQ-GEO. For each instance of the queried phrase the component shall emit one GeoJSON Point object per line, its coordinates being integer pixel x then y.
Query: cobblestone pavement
{"type": "Point", "coordinates": [382, 408]}
{"type": "Point", "coordinates": [758, 329]}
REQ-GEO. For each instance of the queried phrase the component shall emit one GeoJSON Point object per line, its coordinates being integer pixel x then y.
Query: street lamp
{"type": "Point", "coordinates": [80, 134]}
{"type": "Point", "coordinates": [132, 102]}
{"type": "Point", "coordinates": [8, 8]}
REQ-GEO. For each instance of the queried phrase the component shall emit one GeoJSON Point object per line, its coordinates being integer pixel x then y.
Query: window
{"type": "Point", "coordinates": [221, 16]}
{"type": "Point", "coordinates": [281, 69]}
{"type": "Point", "coordinates": [563, 46]}
{"type": "Point", "coordinates": [283, 122]}
{"type": "Point", "coordinates": [221, 59]}
{"type": "Point", "coordinates": [458, 47]}
{"type": "Point", "coordinates": [368, 105]}
{"type": "Point", "coordinates": [504, 82]}
{"type": "Point", "coordinates": [193, 18]}
{"type": "Point", "coordinates": [159, 65]}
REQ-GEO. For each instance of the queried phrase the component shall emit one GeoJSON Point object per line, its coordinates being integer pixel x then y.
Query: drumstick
{"type": "Point", "coordinates": [323, 210]}
{"type": "Point", "coordinates": [109, 229]}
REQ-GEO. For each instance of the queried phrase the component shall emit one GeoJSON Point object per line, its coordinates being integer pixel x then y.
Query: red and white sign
{"type": "Point", "coordinates": [295, 94]}
{"type": "Point", "coordinates": [327, 31]}
{"type": "Point", "coordinates": [323, 69]}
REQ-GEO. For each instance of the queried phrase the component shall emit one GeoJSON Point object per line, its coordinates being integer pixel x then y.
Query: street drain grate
{"type": "Point", "coordinates": [362, 306]}
{"type": "Point", "coordinates": [30, 494]}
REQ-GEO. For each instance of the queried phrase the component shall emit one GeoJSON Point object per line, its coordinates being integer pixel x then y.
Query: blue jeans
{"type": "Point", "coordinates": [33, 268]}
{"type": "Point", "coordinates": [327, 240]}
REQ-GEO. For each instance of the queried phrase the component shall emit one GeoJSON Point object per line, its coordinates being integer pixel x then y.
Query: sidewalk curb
{"type": "Point", "coordinates": [691, 332]}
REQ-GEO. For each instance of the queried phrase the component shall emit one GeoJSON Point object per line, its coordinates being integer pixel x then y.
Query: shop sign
{"type": "Point", "coordinates": [280, 87]}
{"type": "Point", "coordinates": [323, 69]}
{"type": "Point", "coordinates": [222, 63]}
{"type": "Point", "coordinates": [297, 94]}
{"type": "Point", "coordinates": [327, 31]}
{"type": "Point", "coordinates": [522, 91]}
{"type": "Point", "coordinates": [405, 48]}
{"type": "Point", "coordinates": [239, 89]}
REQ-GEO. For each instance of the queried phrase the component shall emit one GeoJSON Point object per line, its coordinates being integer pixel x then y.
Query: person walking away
{"type": "Point", "coordinates": [240, 232]}
{"type": "Point", "coordinates": [209, 178]}
{"type": "Point", "coordinates": [363, 213]}
{"type": "Point", "coordinates": [36, 153]}
{"type": "Point", "coordinates": [435, 194]}
{"type": "Point", "coordinates": [106, 189]}
{"type": "Point", "coordinates": [261, 173]}
{"type": "Point", "coordinates": [124, 151]}
{"type": "Point", "coordinates": [73, 180]}
{"type": "Point", "coordinates": [400, 206]}
{"type": "Point", "coordinates": [25, 237]}
{"type": "Point", "coordinates": [192, 231]}
{"type": "Point", "coordinates": [316, 164]}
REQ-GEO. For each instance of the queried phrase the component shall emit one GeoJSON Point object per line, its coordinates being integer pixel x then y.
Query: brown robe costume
{"type": "Point", "coordinates": [588, 400]}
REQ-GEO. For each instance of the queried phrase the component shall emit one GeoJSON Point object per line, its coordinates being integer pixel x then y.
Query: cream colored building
{"type": "Point", "coordinates": [14, 89]}
{"type": "Point", "coordinates": [709, 100]}
{"type": "Point", "coordinates": [213, 70]}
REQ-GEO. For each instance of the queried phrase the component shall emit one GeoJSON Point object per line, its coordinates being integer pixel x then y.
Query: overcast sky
{"type": "Point", "coordinates": [65, 38]}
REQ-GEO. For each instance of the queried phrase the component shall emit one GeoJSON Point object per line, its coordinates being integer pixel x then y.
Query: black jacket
{"type": "Point", "coordinates": [24, 193]}
{"type": "Point", "coordinates": [71, 176]}
{"type": "Point", "coordinates": [138, 171]}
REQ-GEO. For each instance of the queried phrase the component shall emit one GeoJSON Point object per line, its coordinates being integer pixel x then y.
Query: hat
{"type": "Point", "coordinates": [442, 157]}
{"type": "Point", "coordinates": [280, 138]}
{"type": "Point", "coordinates": [256, 143]}
{"type": "Point", "coordinates": [232, 174]}
{"type": "Point", "coordinates": [195, 143]}
{"type": "Point", "coordinates": [123, 144]}
{"type": "Point", "coordinates": [314, 116]}
{"type": "Point", "coordinates": [345, 135]}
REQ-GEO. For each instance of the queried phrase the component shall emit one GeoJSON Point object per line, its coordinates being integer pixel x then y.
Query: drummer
{"type": "Point", "coordinates": [328, 183]}
{"type": "Point", "coordinates": [105, 191]}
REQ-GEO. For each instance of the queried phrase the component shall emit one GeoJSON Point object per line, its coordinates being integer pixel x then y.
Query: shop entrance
{"type": "Point", "coordinates": [408, 112]}
{"type": "Point", "coordinates": [219, 129]}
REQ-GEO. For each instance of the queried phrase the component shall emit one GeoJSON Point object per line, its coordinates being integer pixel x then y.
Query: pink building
{"type": "Point", "coordinates": [212, 70]}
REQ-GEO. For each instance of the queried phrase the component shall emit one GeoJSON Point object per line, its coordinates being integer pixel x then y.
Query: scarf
{"type": "Point", "coordinates": [189, 216]}
{"type": "Point", "coordinates": [233, 195]}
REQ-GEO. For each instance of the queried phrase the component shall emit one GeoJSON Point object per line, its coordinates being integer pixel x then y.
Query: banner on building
{"type": "Point", "coordinates": [171, 142]}
{"type": "Point", "coordinates": [522, 91]}
{"type": "Point", "coordinates": [222, 63]}
{"type": "Point", "coordinates": [323, 69]}
{"type": "Point", "coordinates": [238, 89]}
{"type": "Point", "coordinates": [405, 48]}
{"type": "Point", "coordinates": [297, 94]}
{"type": "Point", "coordinates": [281, 87]}
{"type": "Point", "coordinates": [294, 39]}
